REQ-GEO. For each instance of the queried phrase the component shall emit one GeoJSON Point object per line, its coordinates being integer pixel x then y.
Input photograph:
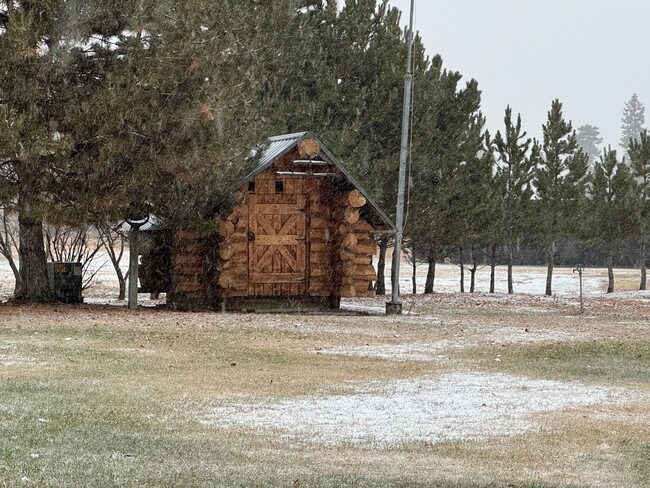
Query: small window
{"type": "Point", "coordinates": [279, 186]}
{"type": "Point", "coordinates": [251, 187]}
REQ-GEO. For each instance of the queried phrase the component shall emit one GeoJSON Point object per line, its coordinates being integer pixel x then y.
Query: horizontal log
{"type": "Point", "coordinates": [365, 294]}
{"type": "Point", "coordinates": [362, 259]}
{"type": "Point", "coordinates": [363, 226]}
{"type": "Point", "coordinates": [187, 273]}
{"type": "Point", "coordinates": [349, 241]}
{"type": "Point", "coordinates": [366, 272]}
{"type": "Point", "coordinates": [239, 238]}
{"type": "Point", "coordinates": [353, 198]}
{"type": "Point", "coordinates": [347, 280]}
{"type": "Point", "coordinates": [238, 213]}
{"type": "Point", "coordinates": [191, 247]}
{"type": "Point", "coordinates": [362, 285]}
{"type": "Point", "coordinates": [226, 251]}
{"type": "Point", "coordinates": [226, 280]}
{"type": "Point", "coordinates": [318, 259]}
{"type": "Point", "coordinates": [318, 246]}
{"type": "Point", "coordinates": [186, 235]}
{"type": "Point", "coordinates": [318, 234]}
{"type": "Point", "coordinates": [368, 247]}
{"type": "Point", "coordinates": [346, 256]}
{"type": "Point", "coordinates": [351, 215]}
{"type": "Point", "coordinates": [318, 292]}
{"type": "Point", "coordinates": [188, 287]}
{"type": "Point", "coordinates": [362, 236]}
{"type": "Point", "coordinates": [226, 229]}
{"type": "Point", "coordinates": [318, 207]}
{"type": "Point", "coordinates": [318, 223]}
{"type": "Point", "coordinates": [238, 262]}
{"type": "Point", "coordinates": [187, 261]}
{"type": "Point", "coordinates": [318, 272]}
{"type": "Point", "coordinates": [344, 229]}
{"type": "Point", "coordinates": [348, 291]}
{"type": "Point", "coordinates": [308, 148]}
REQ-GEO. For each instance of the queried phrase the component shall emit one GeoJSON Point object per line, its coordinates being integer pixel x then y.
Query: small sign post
{"type": "Point", "coordinates": [133, 260]}
{"type": "Point", "coordinates": [580, 268]}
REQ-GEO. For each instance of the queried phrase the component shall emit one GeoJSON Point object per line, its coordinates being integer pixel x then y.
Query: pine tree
{"type": "Point", "coordinates": [121, 107]}
{"type": "Point", "coordinates": [447, 136]}
{"type": "Point", "coordinates": [632, 122]}
{"type": "Point", "coordinates": [589, 141]}
{"type": "Point", "coordinates": [514, 173]}
{"type": "Point", "coordinates": [613, 201]}
{"type": "Point", "coordinates": [560, 184]}
{"type": "Point", "coordinates": [639, 152]}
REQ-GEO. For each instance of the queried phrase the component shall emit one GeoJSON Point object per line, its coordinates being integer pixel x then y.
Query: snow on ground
{"type": "Point", "coordinates": [451, 407]}
{"type": "Point", "coordinates": [433, 351]}
{"type": "Point", "coordinates": [528, 280]}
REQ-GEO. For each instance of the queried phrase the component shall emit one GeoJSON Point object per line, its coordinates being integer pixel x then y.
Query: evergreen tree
{"type": "Point", "coordinates": [589, 141]}
{"type": "Point", "coordinates": [560, 184]}
{"type": "Point", "coordinates": [639, 152]}
{"type": "Point", "coordinates": [447, 136]}
{"type": "Point", "coordinates": [515, 169]}
{"type": "Point", "coordinates": [115, 108]}
{"type": "Point", "coordinates": [613, 201]}
{"type": "Point", "coordinates": [38, 59]}
{"type": "Point", "coordinates": [632, 122]}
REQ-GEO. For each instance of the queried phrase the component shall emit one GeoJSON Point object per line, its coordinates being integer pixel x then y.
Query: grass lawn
{"type": "Point", "coordinates": [102, 396]}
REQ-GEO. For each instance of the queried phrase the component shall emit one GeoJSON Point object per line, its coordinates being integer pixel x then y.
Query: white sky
{"type": "Point", "coordinates": [591, 54]}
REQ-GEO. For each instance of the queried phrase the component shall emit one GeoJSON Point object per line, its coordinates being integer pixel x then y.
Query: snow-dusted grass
{"type": "Point", "coordinates": [457, 406]}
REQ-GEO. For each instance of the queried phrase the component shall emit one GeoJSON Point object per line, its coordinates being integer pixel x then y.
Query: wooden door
{"type": "Point", "coordinates": [277, 247]}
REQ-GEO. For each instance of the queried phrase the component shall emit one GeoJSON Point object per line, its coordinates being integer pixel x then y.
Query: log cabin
{"type": "Point", "coordinates": [300, 238]}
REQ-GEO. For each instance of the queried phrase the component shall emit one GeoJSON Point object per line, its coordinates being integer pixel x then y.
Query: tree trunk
{"type": "Point", "coordinates": [510, 259]}
{"type": "Point", "coordinates": [642, 259]}
{"type": "Point", "coordinates": [34, 284]}
{"type": "Point", "coordinates": [472, 270]}
{"type": "Point", "coordinates": [17, 279]}
{"type": "Point", "coordinates": [7, 245]}
{"type": "Point", "coordinates": [414, 275]}
{"type": "Point", "coordinates": [431, 275]}
{"type": "Point", "coordinates": [380, 285]}
{"type": "Point", "coordinates": [462, 270]}
{"type": "Point", "coordinates": [550, 262]}
{"type": "Point", "coordinates": [493, 266]}
{"type": "Point", "coordinates": [610, 271]}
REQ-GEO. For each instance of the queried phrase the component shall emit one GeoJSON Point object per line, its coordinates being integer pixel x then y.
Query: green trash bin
{"type": "Point", "coordinates": [65, 281]}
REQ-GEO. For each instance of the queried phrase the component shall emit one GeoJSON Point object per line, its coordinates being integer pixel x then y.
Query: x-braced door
{"type": "Point", "coordinates": [277, 248]}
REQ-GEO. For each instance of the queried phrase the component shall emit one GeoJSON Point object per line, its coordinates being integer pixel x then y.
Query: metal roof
{"type": "Point", "coordinates": [277, 146]}
{"type": "Point", "coordinates": [152, 223]}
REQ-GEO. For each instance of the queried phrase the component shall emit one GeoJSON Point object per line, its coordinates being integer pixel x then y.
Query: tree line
{"type": "Point", "coordinates": [112, 110]}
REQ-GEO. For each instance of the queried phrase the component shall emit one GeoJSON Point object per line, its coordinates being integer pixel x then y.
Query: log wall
{"type": "Point", "coordinates": [339, 246]}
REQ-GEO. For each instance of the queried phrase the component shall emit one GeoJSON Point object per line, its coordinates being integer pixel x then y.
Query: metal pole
{"type": "Point", "coordinates": [582, 305]}
{"type": "Point", "coordinates": [133, 267]}
{"type": "Point", "coordinates": [580, 268]}
{"type": "Point", "coordinates": [394, 306]}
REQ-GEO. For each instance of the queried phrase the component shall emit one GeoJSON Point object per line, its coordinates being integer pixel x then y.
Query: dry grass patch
{"type": "Point", "coordinates": [117, 396]}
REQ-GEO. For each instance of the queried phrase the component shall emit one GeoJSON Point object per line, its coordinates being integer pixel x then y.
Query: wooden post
{"type": "Point", "coordinates": [133, 267]}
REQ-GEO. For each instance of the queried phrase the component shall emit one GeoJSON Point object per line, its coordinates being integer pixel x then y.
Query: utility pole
{"type": "Point", "coordinates": [394, 307]}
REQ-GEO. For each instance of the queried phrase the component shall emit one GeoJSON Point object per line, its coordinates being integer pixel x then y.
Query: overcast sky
{"type": "Point", "coordinates": [591, 54]}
